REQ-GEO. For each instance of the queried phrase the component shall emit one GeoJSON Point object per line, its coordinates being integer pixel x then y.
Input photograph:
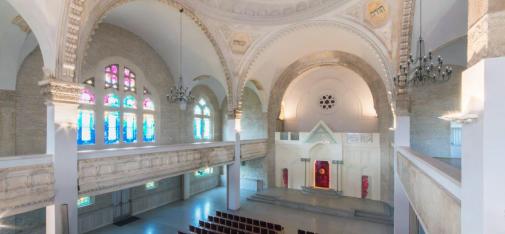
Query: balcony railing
{"type": "Point", "coordinates": [433, 189]}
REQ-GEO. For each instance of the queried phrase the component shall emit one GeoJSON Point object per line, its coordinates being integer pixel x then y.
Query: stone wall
{"type": "Point", "coordinates": [30, 107]}
{"type": "Point", "coordinates": [7, 122]}
{"type": "Point", "coordinates": [199, 184]}
{"type": "Point", "coordinates": [429, 134]}
{"type": "Point", "coordinates": [254, 120]}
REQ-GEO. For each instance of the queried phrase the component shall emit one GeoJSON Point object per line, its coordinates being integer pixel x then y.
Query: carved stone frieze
{"type": "Point", "coordinates": [105, 174]}
{"type": "Point", "coordinates": [25, 188]}
{"type": "Point", "coordinates": [486, 38]}
{"type": "Point", "coordinates": [253, 149]}
{"type": "Point", "coordinates": [60, 91]}
{"type": "Point", "coordinates": [21, 23]}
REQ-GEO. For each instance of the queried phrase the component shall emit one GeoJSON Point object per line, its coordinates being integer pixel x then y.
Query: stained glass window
{"type": "Point", "coordinates": [84, 200]}
{"type": "Point", "coordinates": [112, 76]}
{"type": "Point", "coordinates": [111, 100]}
{"type": "Point", "coordinates": [151, 185]}
{"type": "Point", "coordinates": [87, 97]}
{"type": "Point", "coordinates": [201, 122]}
{"type": "Point", "coordinates": [111, 127]}
{"type": "Point", "coordinates": [149, 128]}
{"type": "Point", "coordinates": [129, 80]}
{"type": "Point", "coordinates": [130, 102]}
{"type": "Point", "coordinates": [129, 128]}
{"type": "Point", "coordinates": [86, 127]}
{"type": "Point", "coordinates": [148, 104]}
{"type": "Point", "coordinates": [204, 172]}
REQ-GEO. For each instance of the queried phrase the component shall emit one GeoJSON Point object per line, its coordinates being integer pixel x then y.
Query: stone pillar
{"type": "Point", "coordinates": [401, 202]}
{"type": "Point", "coordinates": [186, 186]}
{"type": "Point", "coordinates": [233, 170]}
{"type": "Point", "coordinates": [486, 30]}
{"type": "Point", "coordinates": [62, 104]}
{"type": "Point", "coordinates": [483, 149]}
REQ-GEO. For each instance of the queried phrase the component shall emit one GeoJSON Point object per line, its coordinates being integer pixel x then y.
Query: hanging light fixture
{"type": "Point", "coordinates": [421, 69]}
{"type": "Point", "coordinates": [179, 93]}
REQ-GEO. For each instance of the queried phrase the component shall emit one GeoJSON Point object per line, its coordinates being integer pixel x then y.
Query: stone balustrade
{"type": "Point", "coordinates": [252, 149]}
{"type": "Point", "coordinates": [433, 189]}
{"type": "Point", "coordinates": [26, 183]}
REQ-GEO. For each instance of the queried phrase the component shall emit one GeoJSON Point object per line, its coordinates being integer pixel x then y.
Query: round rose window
{"type": "Point", "coordinates": [327, 102]}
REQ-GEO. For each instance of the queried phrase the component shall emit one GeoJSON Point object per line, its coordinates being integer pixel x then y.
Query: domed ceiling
{"type": "Point", "coordinates": [265, 11]}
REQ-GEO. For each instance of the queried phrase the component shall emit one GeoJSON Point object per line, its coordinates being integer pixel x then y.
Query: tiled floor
{"type": "Point", "coordinates": [177, 216]}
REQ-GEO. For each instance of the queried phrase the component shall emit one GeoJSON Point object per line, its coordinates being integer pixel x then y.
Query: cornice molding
{"type": "Point", "coordinates": [60, 91]}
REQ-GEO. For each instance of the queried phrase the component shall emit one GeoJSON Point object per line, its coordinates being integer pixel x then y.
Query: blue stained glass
{"type": "Point", "coordinates": [84, 201]}
{"type": "Point", "coordinates": [111, 127]}
{"type": "Point", "coordinates": [130, 102]}
{"type": "Point", "coordinates": [111, 100]}
{"type": "Point", "coordinates": [197, 128]}
{"type": "Point", "coordinates": [149, 128]}
{"type": "Point", "coordinates": [129, 128]}
{"type": "Point", "coordinates": [86, 127]}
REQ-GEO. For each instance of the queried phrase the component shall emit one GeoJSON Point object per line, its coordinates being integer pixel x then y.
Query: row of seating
{"type": "Point", "coordinates": [305, 232]}
{"type": "Point", "coordinates": [225, 223]}
{"type": "Point", "coordinates": [255, 222]}
{"type": "Point", "coordinates": [241, 226]}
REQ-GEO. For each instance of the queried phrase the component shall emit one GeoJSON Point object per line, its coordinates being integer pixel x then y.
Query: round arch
{"type": "Point", "coordinates": [82, 20]}
{"type": "Point", "coordinates": [367, 45]}
{"type": "Point", "coordinates": [326, 58]}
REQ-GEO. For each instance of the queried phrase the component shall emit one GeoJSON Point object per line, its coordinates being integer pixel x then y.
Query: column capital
{"type": "Point", "coordinates": [60, 91]}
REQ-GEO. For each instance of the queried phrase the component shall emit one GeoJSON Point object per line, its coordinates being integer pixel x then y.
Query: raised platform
{"type": "Point", "coordinates": [323, 203]}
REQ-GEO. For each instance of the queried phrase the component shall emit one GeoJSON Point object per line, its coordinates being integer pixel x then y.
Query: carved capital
{"type": "Point", "coordinates": [60, 91]}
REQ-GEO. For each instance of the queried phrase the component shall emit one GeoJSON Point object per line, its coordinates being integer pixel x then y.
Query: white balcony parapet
{"type": "Point", "coordinates": [433, 189]}
{"type": "Point", "coordinates": [26, 183]}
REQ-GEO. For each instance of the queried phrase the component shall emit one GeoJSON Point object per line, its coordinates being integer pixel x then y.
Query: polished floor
{"type": "Point", "coordinates": [178, 215]}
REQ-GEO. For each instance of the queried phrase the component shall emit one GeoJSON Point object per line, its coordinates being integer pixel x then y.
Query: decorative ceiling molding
{"type": "Point", "coordinates": [377, 48]}
{"type": "Point", "coordinates": [82, 19]}
{"type": "Point", "coordinates": [21, 23]}
{"type": "Point", "coordinates": [265, 12]}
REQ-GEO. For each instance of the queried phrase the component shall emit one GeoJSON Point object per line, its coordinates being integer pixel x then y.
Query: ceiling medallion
{"type": "Point", "coordinates": [421, 69]}
{"type": "Point", "coordinates": [179, 93]}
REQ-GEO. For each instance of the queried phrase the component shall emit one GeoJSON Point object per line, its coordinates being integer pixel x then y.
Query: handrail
{"type": "Point", "coordinates": [25, 160]}
{"type": "Point", "coordinates": [254, 141]}
{"type": "Point", "coordinates": [119, 152]}
{"type": "Point", "coordinates": [445, 175]}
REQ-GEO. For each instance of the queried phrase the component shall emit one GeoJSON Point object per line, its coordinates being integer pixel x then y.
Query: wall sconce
{"type": "Point", "coordinates": [462, 118]}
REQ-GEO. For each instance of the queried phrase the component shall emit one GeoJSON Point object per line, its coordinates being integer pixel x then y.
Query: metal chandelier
{"type": "Point", "coordinates": [421, 69]}
{"type": "Point", "coordinates": [179, 93]}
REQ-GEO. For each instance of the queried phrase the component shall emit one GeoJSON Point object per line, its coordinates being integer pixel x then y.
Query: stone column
{"type": "Point", "coordinates": [62, 103]}
{"type": "Point", "coordinates": [233, 170]}
{"type": "Point", "coordinates": [401, 202]}
{"type": "Point", "coordinates": [483, 148]}
{"type": "Point", "coordinates": [186, 186]}
{"type": "Point", "coordinates": [486, 30]}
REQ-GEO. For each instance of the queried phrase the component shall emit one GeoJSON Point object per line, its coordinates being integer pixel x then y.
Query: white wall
{"type": "Point", "coordinates": [354, 109]}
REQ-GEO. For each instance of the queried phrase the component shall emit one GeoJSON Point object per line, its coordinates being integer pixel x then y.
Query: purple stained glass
{"type": "Point", "coordinates": [129, 80]}
{"type": "Point", "coordinates": [111, 78]}
{"type": "Point", "coordinates": [87, 97]}
{"type": "Point", "coordinates": [148, 104]}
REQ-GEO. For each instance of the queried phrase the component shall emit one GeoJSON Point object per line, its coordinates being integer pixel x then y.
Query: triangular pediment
{"type": "Point", "coordinates": [321, 133]}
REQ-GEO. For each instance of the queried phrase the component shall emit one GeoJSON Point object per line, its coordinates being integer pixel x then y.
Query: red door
{"type": "Point", "coordinates": [322, 174]}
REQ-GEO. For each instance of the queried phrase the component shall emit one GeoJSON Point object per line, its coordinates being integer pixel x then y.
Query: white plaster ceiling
{"type": "Point", "coordinates": [354, 109]}
{"type": "Point", "coordinates": [158, 25]}
{"type": "Point", "coordinates": [264, 11]}
{"type": "Point", "coordinates": [15, 45]}
{"type": "Point", "coordinates": [296, 42]}
{"type": "Point", "coordinates": [443, 22]}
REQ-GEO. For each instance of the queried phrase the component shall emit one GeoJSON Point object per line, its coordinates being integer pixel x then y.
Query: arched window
{"type": "Point", "coordinates": [202, 124]}
{"type": "Point", "coordinates": [121, 110]}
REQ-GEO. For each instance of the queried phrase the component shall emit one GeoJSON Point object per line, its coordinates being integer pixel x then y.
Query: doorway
{"type": "Point", "coordinates": [322, 174]}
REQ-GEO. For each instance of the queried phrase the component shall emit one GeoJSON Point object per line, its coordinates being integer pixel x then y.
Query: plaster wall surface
{"type": "Point", "coordinates": [32, 222]}
{"type": "Point", "coordinates": [429, 134]}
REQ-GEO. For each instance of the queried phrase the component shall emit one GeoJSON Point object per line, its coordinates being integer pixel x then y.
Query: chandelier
{"type": "Point", "coordinates": [179, 93]}
{"type": "Point", "coordinates": [422, 69]}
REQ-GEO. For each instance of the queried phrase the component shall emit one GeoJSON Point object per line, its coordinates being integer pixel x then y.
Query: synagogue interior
{"type": "Point", "coordinates": [252, 116]}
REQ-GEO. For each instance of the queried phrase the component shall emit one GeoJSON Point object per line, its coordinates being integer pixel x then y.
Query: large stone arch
{"type": "Point", "coordinates": [374, 82]}
{"type": "Point", "coordinates": [369, 39]}
{"type": "Point", "coordinates": [81, 18]}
